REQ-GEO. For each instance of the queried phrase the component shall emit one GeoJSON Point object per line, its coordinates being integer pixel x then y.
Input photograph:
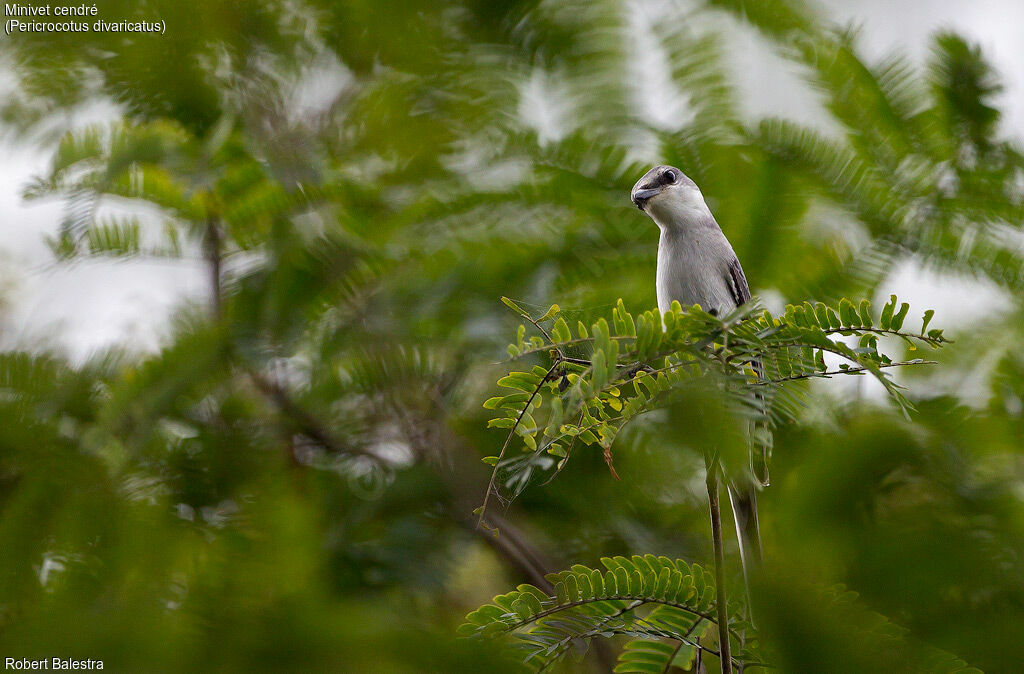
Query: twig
{"type": "Point", "coordinates": [693, 627]}
{"type": "Point", "coordinates": [849, 370]}
{"type": "Point", "coordinates": [306, 423]}
{"type": "Point", "coordinates": [675, 652]}
{"type": "Point", "coordinates": [518, 554]}
{"type": "Point", "coordinates": [568, 453]}
{"type": "Point", "coordinates": [211, 245]}
{"type": "Point", "coordinates": [508, 440]}
{"type": "Point", "coordinates": [564, 643]}
{"type": "Point", "coordinates": [716, 537]}
{"type": "Point", "coordinates": [889, 331]}
{"type": "Point", "coordinates": [544, 332]}
{"type": "Point", "coordinates": [568, 342]}
{"type": "Point", "coordinates": [510, 627]}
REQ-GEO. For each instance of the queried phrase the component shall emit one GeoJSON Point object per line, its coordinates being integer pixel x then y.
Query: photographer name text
{"type": "Point", "coordinates": [51, 664]}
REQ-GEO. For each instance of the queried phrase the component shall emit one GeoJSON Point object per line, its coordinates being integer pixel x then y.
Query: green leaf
{"type": "Point", "coordinates": [662, 584]}
{"type": "Point", "coordinates": [897, 320]}
{"type": "Point", "coordinates": [520, 381]}
{"type": "Point", "coordinates": [646, 655]}
{"type": "Point", "coordinates": [886, 321]}
{"type": "Point", "coordinates": [624, 324]}
{"type": "Point", "coordinates": [515, 307]}
{"type": "Point", "coordinates": [833, 319]}
{"type": "Point", "coordinates": [572, 589]}
{"type": "Point", "coordinates": [522, 609]}
{"type": "Point", "coordinates": [533, 601]}
{"type": "Point", "coordinates": [560, 331]}
{"type": "Point", "coordinates": [556, 449]}
{"type": "Point", "coordinates": [600, 370]}
{"type": "Point", "coordinates": [820, 312]}
{"type": "Point", "coordinates": [490, 460]}
{"type": "Point", "coordinates": [636, 583]}
{"type": "Point", "coordinates": [865, 313]}
{"type": "Point", "coordinates": [549, 314]}
{"type": "Point", "coordinates": [555, 414]}
{"type": "Point", "coordinates": [674, 580]}
{"type": "Point", "coordinates": [622, 581]}
{"type": "Point", "coordinates": [602, 338]}
{"type": "Point", "coordinates": [510, 400]}
{"type": "Point", "coordinates": [611, 584]}
{"type": "Point", "coordinates": [561, 596]}
{"type": "Point", "coordinates": [926, 320]}
{"type": "Point", "coordinates": [848, 313]}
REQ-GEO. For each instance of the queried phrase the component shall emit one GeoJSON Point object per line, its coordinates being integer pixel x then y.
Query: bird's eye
{"type": "Point", "coordinates": [669, 177]}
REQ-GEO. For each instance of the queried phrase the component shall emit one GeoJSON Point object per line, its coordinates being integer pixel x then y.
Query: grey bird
{"type": "Point", "coordinates": [697, 265]}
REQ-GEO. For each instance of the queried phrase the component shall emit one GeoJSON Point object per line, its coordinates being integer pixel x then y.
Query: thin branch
{"type": "Point", "coordinates": [683, 640]}
{"type": "Point", "coordinates": [716, 537]}
{"type": "Point", "coordinates": [564, 643]}
{"type": "Point", "coordinates": [509, 627]}
{"type": "Point", "coordinates": [517, 553]}
{"type": "Point", "coordinates": [664, 634]}
{"type": "Point", "coordinates": [724, 328]}
{"type": "Point", "coordinates": [555, 345]}
{"type": "Point", "coordinates": [212, 248]}
{"type": "Point", "coordinates": [544, 332]}
{"type": "Point", "coordinates": [306, 423]}
{"type": "Point", "coordinates": [568, 451]}
{"type": "Point", "coordinates": [675, 652]}
{"type": "Point", "coordinates": [850, 370]}
{"type": "Point", "coordinates": [508, 440]}
{"type": "Point", "coordinates": [889, 331]}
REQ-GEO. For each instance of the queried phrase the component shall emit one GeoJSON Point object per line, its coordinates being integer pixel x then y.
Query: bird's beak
{"type": "Point", "coordinates": [640, 197]}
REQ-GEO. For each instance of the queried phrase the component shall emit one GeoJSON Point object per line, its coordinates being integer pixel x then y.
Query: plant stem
{"type": "Point", "coordinates": [212, 245]}
{"type": "Point", "coordinates": [716, 536]}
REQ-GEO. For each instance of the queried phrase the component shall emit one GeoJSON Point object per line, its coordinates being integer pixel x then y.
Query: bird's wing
{"type": "Point", "coordinates": [737, 282]}
{"type": "Point", "coordinates": [761, 445]}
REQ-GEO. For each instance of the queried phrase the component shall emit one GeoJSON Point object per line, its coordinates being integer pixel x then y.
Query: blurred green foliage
{"type": "Point", "coordinates": [288, 484]}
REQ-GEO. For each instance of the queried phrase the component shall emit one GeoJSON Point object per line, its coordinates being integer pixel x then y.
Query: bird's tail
{"type": "Point", "coordinates": [761, 440]}
{"type": "Point", "coordinates": [760, 449]}
{"type": "Point", "coordinates": [743, 489]}
{"type": "Point", "coordinates": [743, 498]}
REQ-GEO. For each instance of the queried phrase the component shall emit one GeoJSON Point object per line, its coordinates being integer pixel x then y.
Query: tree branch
{"type": "Point", "coordinates": [212, 251]}
{"type": "Point", "coordinates": [716, 537]}
{"type": "Point", "coordinates": [304, 422]}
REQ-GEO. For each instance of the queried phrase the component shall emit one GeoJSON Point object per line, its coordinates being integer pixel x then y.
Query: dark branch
{"type": "Point", "coordinates": [304, 422]}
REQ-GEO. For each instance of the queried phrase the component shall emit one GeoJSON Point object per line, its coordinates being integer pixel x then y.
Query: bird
{"type": "Point", "coordinates": [697, 265]}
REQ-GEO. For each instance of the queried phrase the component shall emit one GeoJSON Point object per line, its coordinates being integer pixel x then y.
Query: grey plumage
{"type": "Point", "coordinates": [697, 265]}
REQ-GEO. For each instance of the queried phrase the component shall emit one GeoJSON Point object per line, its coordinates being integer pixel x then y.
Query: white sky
{"type": "Point", "coordinates": [86, 306]}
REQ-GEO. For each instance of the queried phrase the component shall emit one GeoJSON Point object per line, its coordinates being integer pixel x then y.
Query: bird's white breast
{"type": "Point", "coordinates": [690, 270]}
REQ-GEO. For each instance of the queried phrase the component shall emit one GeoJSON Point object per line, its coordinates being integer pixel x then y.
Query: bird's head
{"type": "Point", "coordinates": [668, 196]}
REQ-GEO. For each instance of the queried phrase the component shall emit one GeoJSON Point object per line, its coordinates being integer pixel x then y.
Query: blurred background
{"type": "Point", "coordinates": [249, 282]}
